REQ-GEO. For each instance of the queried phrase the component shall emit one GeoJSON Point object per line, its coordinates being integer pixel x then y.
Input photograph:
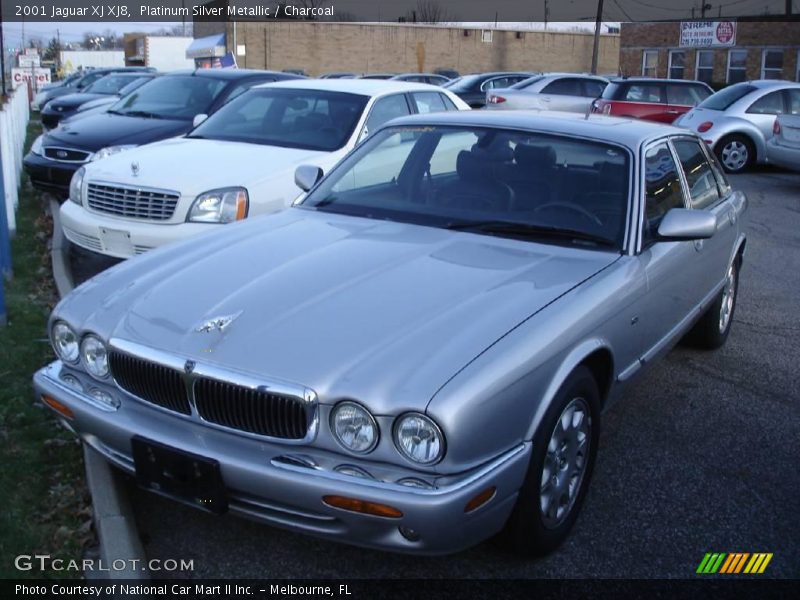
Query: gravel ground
{"type": "Point", "coordinates": [702, 455]}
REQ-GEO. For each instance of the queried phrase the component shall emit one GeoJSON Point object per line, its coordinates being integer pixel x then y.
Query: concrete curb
{"type": "Point", "coordinates": [113, 515]}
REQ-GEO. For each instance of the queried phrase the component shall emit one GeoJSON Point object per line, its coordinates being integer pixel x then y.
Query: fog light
{"type": "Point", "coordinates": [353, 471]}
{"type": "Point", "coordinates": [104, 400]}
{"type": "Point", "coordinates": [362, 506]}
{"type": "Point", "coordinates": [415, 483]}
{"type": "Point", "coordinates": [480, 499]}
{"type": "Point", "coordinates": [72, 382]}
{"type": "Point", "coordinates": [410, 534]}
{"type": "Point", "coordinates": [61, 409]}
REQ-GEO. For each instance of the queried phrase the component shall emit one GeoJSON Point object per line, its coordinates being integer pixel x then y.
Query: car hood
{"type": "Point", "coordinates": [204, 164]}
{"type": "Point", "coordinates": [74, 100]}
{"type": "Point", "coordinates": [381, 311]}
{"type": "Point", "coordinates": [107, 129]}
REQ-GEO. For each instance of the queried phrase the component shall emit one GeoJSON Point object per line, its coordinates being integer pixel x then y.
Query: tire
{"type": "Point", "coordinates": [538, 526]}
{"type": "Point", "coordinates": [736, 153]}
{"type": "Point", "coordinates": [712, 330]}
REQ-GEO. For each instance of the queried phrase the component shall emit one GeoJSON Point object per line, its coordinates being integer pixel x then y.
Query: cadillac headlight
{"type": "Point", "coordinates": [109, 150]}
{"type": "Point", "coordinates": [65, 342]}
{"type": "Point", "coordinates": [220, 206]}
{"type": "Point", "coordinates": [354, 428]}
{"type": "Point", "coordinates": [36, 147]}
{"type": "Point", "coordinates": [76, 186]}
{"type": "Point", "coordinates": [94, 356]}
{"type": "Point", "coordinates": [419, 439]}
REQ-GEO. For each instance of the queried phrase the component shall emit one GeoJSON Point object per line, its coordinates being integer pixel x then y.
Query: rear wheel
{"type": "Point", "coordinates": [712, 330]}
{"type": "Point", "coordinates": [564, 450]}
{"type": "Point", "coordinates": [736, 153]}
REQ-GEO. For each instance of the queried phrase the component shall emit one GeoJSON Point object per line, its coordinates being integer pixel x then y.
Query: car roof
{"type": "Point", "coordinates": [367, 87]}
{"type": "Point", "coordinates": [230, 74]}
{"type": "Point", "coordinates": [765, 83]}
{"type": "Point", "coordinates": [628, 132]}
{"type": "Point", "coordinates": [654, 80]}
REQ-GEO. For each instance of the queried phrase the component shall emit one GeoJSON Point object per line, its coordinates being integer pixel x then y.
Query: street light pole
{"type": "Point", "coordinates": [597, 26]}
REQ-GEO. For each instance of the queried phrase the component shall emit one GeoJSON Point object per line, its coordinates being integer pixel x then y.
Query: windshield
{"type": "Point", "coordinates": [110, 84]}
{"type": "Point", "coordinates": [723, 99]}
{"type": "Point", "coordinates": [526, 82]}
{"type": "Point", "coordinates": [536, 186]}
{"type": "Point", "coordinates": [174, 97]}
{"type": "Point", "coordinates": [462, 84]}
{"type": "Point", "coordinates": [292, 118]}
{"type": "Point", "coordinates": [133, 85]}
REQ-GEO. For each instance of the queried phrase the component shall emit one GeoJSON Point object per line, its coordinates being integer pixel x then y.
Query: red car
{"type": "Point", "coordinates": [661, 100]}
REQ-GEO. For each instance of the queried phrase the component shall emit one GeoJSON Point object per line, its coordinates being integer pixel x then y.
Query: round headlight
{"type": "Point", "coordinates": [419, 439]}
{"type": "Point", "coordinates": [94, 356]}
{"type": "Point", "coordinates": [354, 428]}
{"type": "Point", "coordinates": [65, 342]}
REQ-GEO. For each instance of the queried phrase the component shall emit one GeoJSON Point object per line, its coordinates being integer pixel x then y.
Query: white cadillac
{"type": "Point", "coordinates": [239, 162]}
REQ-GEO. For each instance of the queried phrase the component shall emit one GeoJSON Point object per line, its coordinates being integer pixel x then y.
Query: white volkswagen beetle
{"type": "Point", "coordinates": [237, 163]}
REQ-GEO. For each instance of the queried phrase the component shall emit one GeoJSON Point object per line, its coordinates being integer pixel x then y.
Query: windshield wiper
{"type": "Point", "coordinates": [140, 113]}
{"type": "Point", "coordinates": [529, 231]}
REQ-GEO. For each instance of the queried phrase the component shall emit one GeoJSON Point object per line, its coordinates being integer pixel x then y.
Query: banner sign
{"type": "Point", "coordinates": [39, 76]}
{"type": "Point", "coordinates": [703, 34]}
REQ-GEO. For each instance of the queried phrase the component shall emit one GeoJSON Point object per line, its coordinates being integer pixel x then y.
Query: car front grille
{"type": "Point", "coordinates": [149, 381]}
{"type": "Point", "coordinates": [156, 205]}
{"type": "Point", "coordinates": [244, 408]}
{"type": "Point", "coordinates": [66, 154]}
{"type": "Point", "coordinates": [254, 411]}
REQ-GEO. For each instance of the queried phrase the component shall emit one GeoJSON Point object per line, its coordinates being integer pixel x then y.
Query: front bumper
{"type": "Point", "coordinates": [783, 156]}
{"type": "Point", "coordinates": [283, 485]}
{"type": "Point", "coordinates": [50, 175]}
{"type": "Point", "coordinates": [130, 237]}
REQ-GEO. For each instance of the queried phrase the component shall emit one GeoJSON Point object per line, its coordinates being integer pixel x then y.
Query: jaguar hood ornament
{"type": "Point", "coordinates": [220, 323]}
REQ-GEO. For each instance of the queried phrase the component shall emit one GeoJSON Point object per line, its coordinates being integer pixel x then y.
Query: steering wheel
{"type": "Point", "coordinates": [572, 207]}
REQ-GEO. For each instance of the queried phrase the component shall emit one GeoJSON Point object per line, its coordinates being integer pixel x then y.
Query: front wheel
{"type": "Point", "coordinates": [736, 153]}
{"type": "Point", "coordinates": [564, 450]}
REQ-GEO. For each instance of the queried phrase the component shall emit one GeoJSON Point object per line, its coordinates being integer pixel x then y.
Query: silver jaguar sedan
{"type": "Point", "coordinates": [416, 356]}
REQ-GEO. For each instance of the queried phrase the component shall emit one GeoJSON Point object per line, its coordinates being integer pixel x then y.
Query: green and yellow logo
{"type": "Point", "coordinates": [734, 563]}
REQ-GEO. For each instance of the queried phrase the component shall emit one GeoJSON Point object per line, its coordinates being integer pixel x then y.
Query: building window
{"type": "Point", "coordinates": [704, 70]}
{"type": "Point", "coordinates": [649, 63]}
{"type": "Point", "coordinates": [677, 64]}
{"type": "Point", "coordinates": [486, 36]}
{"type": "Point", "coordinates": [772, 64]}
{"type": "Point", "coordinates": [737, 66]}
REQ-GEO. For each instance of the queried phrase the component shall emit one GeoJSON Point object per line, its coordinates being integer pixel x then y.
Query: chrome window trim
{"type": "Point", "coordinates": [198, 369]}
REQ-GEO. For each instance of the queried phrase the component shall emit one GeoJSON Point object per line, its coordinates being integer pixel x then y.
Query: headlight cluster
{"type": "Point", "coordinates": [91, 352]}
{"type": "Point", "coordinates": [416, 436]}
{"type": "Point", "coordinates": [109, 150]}
{"type": "Point", "coordinates": [220, 206]}
{"type": "Point", "coordinates": [76, 186]}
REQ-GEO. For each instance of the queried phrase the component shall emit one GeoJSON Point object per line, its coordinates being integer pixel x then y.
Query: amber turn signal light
{"type": "Point", "coordinates": [61, 409]}
{"type": "Point", "coordinates": [362, 506]}
{"type": "Point", "coordinates": [480, 499]}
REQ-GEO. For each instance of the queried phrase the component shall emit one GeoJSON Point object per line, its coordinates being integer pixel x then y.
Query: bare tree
{"type": "Point", "coordinates": [428, 11]}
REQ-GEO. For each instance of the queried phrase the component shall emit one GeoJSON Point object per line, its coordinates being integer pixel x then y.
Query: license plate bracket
{"type": "Point", "coordinates": [188, 478]}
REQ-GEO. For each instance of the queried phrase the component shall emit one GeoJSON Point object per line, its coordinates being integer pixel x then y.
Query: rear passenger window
{"type": "Point", "coordinates": [564, 87]}
{"type": "Point", "coordinates": [448, 104]}
{"type": "Point", "coordinates": [771, 104]}
{"type": "Point", "coordinates": [593, 89]}
{"type": "Point", "coordinates": [662, 189]}
{"type": "Point", "coordinates": [699, 175]}
{"type": "Point", "coordinates": [427, 102]}
{"type": "Point", "coordinates": [644, 93]}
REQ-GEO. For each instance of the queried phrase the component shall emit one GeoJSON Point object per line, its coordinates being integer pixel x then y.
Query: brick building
{"type": "Point", "coordinates": [319, 47]}
{"type": "Point", "coordinates": [747, 50]}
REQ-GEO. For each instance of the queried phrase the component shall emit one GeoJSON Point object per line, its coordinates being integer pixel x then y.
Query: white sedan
{"type": "Point", "coordinates": [239, 162]}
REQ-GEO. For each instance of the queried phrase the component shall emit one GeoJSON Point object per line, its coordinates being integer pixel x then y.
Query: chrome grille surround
{"type": "Point", "coordinates": [132, 202]}
{"type": "Point", "coordinates": [67, 155]}
{"type": "Point", "coordinates": [238, 420]}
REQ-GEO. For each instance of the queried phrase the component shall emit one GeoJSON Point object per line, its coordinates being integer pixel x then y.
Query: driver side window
{"type": "Point", "coordinates": [662, 189]}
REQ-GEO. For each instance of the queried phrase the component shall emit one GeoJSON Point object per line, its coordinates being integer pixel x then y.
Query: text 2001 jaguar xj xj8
{"type": "Point", "coordinates": [416, 356]}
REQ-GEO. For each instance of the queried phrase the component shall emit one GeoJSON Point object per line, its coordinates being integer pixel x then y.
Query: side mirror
{"type": "Point", "coordinates": [199, 118]}
{"type": "Point", "coordinates": [684, 224]}
{"type": "Point", "coordinates": [307, 176]}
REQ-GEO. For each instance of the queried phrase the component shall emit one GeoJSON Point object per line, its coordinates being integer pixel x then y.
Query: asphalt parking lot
{"type": "Point", "coordinates": [701, 456]}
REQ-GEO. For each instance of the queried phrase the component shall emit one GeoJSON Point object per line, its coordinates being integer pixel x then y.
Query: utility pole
{"type": "Point", "coordinates": [2, 57]}
{"type": "Point", "coordinates": [597, 25]}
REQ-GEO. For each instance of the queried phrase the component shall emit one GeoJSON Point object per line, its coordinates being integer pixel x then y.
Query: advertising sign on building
{"type": "Point", "coordinates": [39, 77]}
{"type": "Point", "coordinates": [26, 61]}
{"type": "Point", "coordinates": [703, 34]}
